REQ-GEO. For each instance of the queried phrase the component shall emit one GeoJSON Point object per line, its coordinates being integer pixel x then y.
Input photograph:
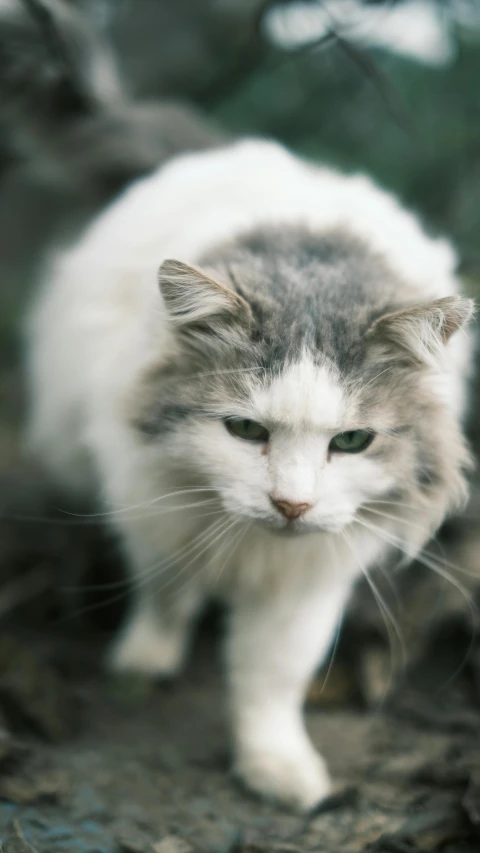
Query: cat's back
{"type": "Point", "coordinates": [196, 202]}
{"type": "Point", "coordinates": [199, 199]}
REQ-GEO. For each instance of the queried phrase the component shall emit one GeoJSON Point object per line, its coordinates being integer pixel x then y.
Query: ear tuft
{"type": "Point", "coordinates": [195, 300]}
{"type": "Point", "coordinates": [422, 330]}
{"type": "Point", "coordinates": [456, 314]}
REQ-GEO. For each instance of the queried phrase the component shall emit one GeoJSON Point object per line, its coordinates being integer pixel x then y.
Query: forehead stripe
{"type": "Point", "coordinates": [305, 393]}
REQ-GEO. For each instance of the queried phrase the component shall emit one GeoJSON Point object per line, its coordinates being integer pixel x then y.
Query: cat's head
{"type": "Point", "coordinates": [304, 387]}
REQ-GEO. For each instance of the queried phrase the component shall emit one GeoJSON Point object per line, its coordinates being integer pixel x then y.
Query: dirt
{"type": "Point", "coordinates": [94, 765]}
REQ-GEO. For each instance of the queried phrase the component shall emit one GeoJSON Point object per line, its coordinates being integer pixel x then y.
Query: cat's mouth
{"type": "Point", "coordinates": [291, 527]}
{"type": "Point", "coordinates": [294, 528]}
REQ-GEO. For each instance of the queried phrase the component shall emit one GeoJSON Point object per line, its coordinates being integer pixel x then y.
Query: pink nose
{"type": "Point", "coordinates": [290, 510]}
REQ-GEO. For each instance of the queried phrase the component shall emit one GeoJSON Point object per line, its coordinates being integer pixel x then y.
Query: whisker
{"type": "Point", "coordinates": [90, 608]}
{"type": "Point", "coordinates": [332, 655]}
{"type": "Point", "coordinates": [44, 519]}
{"type": "Point", "coordinates": [170, 561]}
{"type": "Point", "coordinates": [374, 378]}
{"type": "Point", "coordinates": [89, 521]}
{"type": "Point", "coordinates": [128, 581]}
{"type": "Point", "coordinates": [336, 641]}
{"type": "Point", "coordinates": [200, 375]}
{"type": "Point", "coordinates": [223, 531]}
{"type": "Point", "coordinates": [387, 615]}
{"type": "Point", "coordinates": [389, 516]}
{"type": "Point", "coordinates": [236, 542]}
{"type": "Point", "coordinates": [473, 610]}
{"type": "Point", "coordinates": [385, 502]}
{"type": "Point", "coordinates": [443, 561]}
{"type": "Point", "coordinates": [433, 565]}
{"type": "Point", "coordinates": [387, 575]}
{"type": "Point", "coordinates": [174, 557]}
{"type": "Point", "coordinates": [166, 510]}
{"type": "Point", "coordinates": [145, 576]}
{"type": "Point", "coordinates": [390, 537]}
{"type": "Point", "coordinates": [133, 506]}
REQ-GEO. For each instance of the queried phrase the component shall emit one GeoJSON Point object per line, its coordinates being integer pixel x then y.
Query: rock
{"type": "Point", "coordinates": [171, 844]}
{"type": "Point", "coordinates": [347, 798]}
{"type": "Point", "coordinates": [132, 841]}
{"type": "Point", "coordinates": [376, 673]}
{"type": "Point", "coordinates": [128, 844]}
{"type": "Point", "coordinates": [471, 799]}
{"type": "Point", "coordinates": [12, 750]}
{"type": "Point", "coordinates": [42, 786]}
{"type": "Point", "coordinates": [33, 695]}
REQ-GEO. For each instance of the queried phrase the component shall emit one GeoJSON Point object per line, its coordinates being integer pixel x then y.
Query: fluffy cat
{"type": "Point", "coordinates": [256, 366]}
{"type": "Point", "coordinates": [263, 417]}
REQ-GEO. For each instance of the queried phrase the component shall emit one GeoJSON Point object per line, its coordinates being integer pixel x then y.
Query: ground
{"type": "Point", "coordinates": [93, 765]}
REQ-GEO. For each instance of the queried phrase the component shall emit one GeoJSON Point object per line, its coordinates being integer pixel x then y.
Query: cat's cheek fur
{"type": "Point", "coordinates": [237, 469]}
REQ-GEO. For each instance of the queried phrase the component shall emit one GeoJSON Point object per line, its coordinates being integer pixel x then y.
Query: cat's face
{"type": "Point", "coordinates": [300, 412]}
{"type": "Point", "coordinates": [292, 451]}
{"type": "Point", "coordinates": [300, 449]}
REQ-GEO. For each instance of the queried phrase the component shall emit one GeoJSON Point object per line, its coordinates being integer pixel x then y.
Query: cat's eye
{"type": "Point", "coordinates": [352, 441]}
{"type": "Point", "coordinates": [248, 430]}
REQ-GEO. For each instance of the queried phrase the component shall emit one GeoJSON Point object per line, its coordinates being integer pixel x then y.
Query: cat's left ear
{"type": "Point", "coordinates": [421, 331]}
{"type": "Point", "coordinates": [196, 302]}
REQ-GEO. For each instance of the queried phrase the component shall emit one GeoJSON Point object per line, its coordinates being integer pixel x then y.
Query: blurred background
{"type": "Point", "coordinates": [390, 88]}
{"type": "Point", "coordinates": [387, 87]}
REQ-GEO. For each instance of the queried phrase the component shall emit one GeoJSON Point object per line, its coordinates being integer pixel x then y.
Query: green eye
{"type": "Point", "coordinates": [248, 430]}
{"type": "Point", "coordinates": [353, 441]}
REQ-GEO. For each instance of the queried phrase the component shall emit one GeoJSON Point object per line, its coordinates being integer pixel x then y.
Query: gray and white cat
{"type": "Point", "coordinates": [263, 417]}
{"type": "Point", "coordinates": [256, 365]}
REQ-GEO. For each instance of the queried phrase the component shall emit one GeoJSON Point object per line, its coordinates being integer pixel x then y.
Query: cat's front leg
{"type": "Point", "coordinates": [155, 637]}
{"type": "Point", "coordinates": [276, 642]}
{"type": "Point", "coordinates": [165, 600]}
{"type": "Point", "coordinates": [167, 594]}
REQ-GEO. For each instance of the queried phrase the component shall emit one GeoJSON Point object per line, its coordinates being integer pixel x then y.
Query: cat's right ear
{"type": "Point", "coordinates": [421, 331]}
{"type": "Point", "coordinates": [198, 304]}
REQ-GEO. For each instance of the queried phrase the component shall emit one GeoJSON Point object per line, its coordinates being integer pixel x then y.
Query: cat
{"type": "Point", "coordinates": [258, 367]}
{"type": "Point", "coordinates": [263, 416]}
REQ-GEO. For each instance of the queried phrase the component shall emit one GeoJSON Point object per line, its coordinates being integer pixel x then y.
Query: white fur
{"type": "Point", "coordinates": [303, 394]}
{"type": "Point", "coordinates": [100, 321]}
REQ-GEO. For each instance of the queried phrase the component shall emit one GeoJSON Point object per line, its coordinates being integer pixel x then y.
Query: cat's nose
{"type": "Point", "coordinates": [289, 509]}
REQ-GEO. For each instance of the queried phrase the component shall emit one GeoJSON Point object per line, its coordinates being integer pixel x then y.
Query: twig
{"type": "Point", "coordinates": [384, 86]}
{"type": "Point", "coordinates": [70, 89]}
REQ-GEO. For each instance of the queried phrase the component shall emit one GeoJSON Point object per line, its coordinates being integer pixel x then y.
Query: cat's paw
{"type": "Point", "coordinates": [145, 649]}
{"type": "Point", "coordinates": [299, 781]}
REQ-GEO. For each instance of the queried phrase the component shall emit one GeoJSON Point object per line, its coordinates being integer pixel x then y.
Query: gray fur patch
{"type": "Point", "coordinates": [321, 292]}
{"type": "Point", "coordinates": [161, 419]}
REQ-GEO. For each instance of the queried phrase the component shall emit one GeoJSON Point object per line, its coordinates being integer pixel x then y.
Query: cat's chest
{"type": "Point", "coordinates": [255, 561]}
